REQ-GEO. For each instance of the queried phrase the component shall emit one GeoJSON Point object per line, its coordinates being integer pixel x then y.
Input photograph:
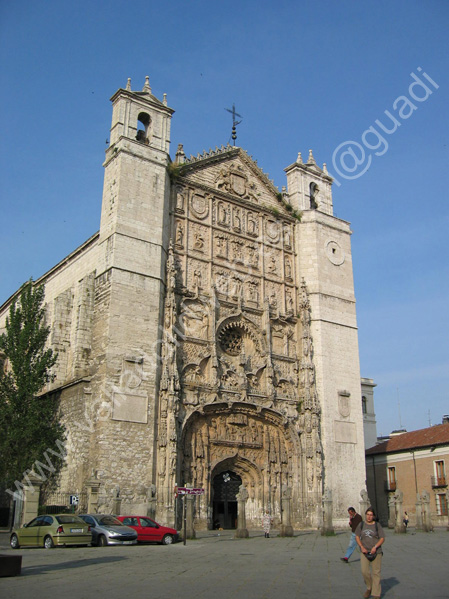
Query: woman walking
{"type": "Point", "coordinates": [266, 524]}
{"type": "Point", "coordinates": [370, 537]}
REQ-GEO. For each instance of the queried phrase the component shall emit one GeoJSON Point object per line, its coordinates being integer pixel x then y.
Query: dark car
{"type": "Point", "coordinates": [107, 530]}
{"type": "Point", "coordinates": [150, 531]}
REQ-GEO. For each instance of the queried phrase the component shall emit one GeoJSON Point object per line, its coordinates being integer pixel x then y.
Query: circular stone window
{"type": "Point", "coordinates": [335, 253]}
{"type": "Point", "coordinates": [231, 341]}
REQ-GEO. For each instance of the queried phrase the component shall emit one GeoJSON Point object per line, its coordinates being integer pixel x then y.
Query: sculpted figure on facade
{"type": "Point", "coordinates": [223, 212]}
{"type": "Point", "coordinates": [252, 225]}
{"type": "Point", "coordinates": [179, 235]}
{"type": "Point", "coordinates": [180, 199]}
{"type": "Point", "coordinates": [198, 241]}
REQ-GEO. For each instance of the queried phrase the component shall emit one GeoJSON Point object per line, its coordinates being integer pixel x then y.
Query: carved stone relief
{"type": "Point", "coordinates": [180, 199]}
{"type": "Point", "coordinates": [197, 275]}
{"type": "Point", "coordinates": [234, 180]}
{"type": "Point", "coordinates": [257, 449]}
{"type": "Point", "coordinates": [199, 239]}
{"type": "Point", "coordinates": [272, 230]}
{"type": "Point", "coordinates": [179, 234]}
{"type": "Point", "coordinates": [199, 206]}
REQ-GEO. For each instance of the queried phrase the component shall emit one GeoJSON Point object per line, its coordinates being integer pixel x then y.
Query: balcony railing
{"type": "Point", "coordinates": [438, 481]}
{"type": "Point", "coordinates": [390, 485]}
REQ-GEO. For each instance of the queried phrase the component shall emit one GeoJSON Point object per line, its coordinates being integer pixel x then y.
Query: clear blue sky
{"type": "Point", "coordinates": [303, 75]}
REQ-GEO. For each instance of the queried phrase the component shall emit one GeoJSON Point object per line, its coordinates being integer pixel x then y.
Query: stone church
{"type": "Point", "coordinates": [207, 335]}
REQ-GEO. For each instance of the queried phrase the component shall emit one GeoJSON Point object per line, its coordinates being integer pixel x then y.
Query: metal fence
{"type": "Point", "coordinates": [61, 503]}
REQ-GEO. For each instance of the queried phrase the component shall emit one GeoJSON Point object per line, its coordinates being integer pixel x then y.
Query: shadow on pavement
{"type": "Point", "coordinates": [81, 563]}
{"type": "Point", "coordinates": [388, 584]}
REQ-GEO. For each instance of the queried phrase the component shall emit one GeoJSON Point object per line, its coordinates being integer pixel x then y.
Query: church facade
{"type": "Point", "coordinates": [207, 334]}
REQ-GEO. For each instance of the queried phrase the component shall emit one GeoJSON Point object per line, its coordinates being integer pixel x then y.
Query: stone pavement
{"type": "Point", "coordinates": [415, 566]}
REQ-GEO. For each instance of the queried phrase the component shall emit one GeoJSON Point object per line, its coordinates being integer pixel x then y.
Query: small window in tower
{"type": "Point", "coordinates": [313, 193]}
{"type": "Point", "coordinates": [143, 128]}
{"type": "Point", "coordinates": [364, 405]}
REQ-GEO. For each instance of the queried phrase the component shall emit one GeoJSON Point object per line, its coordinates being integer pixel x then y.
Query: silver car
{"type": "Point", "coordinates": [107, 530]}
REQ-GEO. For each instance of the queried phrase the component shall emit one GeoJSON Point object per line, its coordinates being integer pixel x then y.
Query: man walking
{"type": "Point", "coordinates": [354, 521]}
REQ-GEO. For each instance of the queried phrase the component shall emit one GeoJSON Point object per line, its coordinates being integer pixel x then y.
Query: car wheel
{"type": "Point", "coordinates": [167, 540]}
{"type": "Point", "coordinates": [102, 542]}
{"type": "Point", "coordinates": [14, 542]}
{"type": "Point", "coordinates": [48, 542]}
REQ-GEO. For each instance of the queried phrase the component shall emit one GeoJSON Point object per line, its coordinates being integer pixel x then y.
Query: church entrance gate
{"type": "Point", "coordinates": [225, 488]}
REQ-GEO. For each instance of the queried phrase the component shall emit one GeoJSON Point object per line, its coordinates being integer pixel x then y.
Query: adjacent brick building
{"type": "Point", "coordinates": [411, 462]}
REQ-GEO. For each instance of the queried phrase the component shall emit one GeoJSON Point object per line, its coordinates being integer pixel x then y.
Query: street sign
{"type": "Point", "coordinates": [188, 491]}
{"type": "Point", "coordinates": [74, 499]}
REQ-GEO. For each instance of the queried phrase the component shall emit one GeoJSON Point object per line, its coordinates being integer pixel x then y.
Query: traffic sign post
{"type": "Point", "coordinates": [183, 492]}
{"type": "Point", "coordinates": [184, 509]}
{"type": "Point", "coordinates": [74, 501]}
{"type": "Point", "coordinates": [188, 491]}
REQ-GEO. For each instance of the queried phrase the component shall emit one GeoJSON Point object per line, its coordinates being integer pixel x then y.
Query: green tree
{"type": "Point", "coordinates": [30, 430]}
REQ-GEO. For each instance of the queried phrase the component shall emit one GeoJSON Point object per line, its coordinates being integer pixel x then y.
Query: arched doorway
{"type": "Point", "coordinates": [225, 488]}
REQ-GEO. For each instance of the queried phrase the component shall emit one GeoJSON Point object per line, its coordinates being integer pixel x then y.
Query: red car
{"type": "Point", "coordinates": [150, 531]}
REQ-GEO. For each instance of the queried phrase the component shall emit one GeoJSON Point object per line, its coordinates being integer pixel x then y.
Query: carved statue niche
{"type": "Point", "coordinates": [277, 336]}
{"type": "Point", "coordinates": [180, 199]}
{"type": "Point", "coordinates": [236, 220]}
{"type": "Point", "coordinates": [179, 238]}
{"type": "Point", "coordinates": [252, 292]}
{"type": "Point", "coordinates": [287, 237]}
{"type": "Point", "coordinates": [272, 265]}
{"type": "Point", "coordinates": [252, 225]}
{"type": "Point", "coordinates": [221, 246]}
{"type": "Point", "coordinates": [237, 250]}
{"type": "Point", "coordinates": [289, 304]}
{"type": "Point", "coordinates": [222, 282]}
{"type": "Point", "coordinates": [253, 255]}
{"type": "Point", "coordinates": [288, 268]}
{"type": "Point", "coordinates": [194, 319]}
{"type": "Point", "coordinates": [197, 278]}
{"type": "Point", "coordinates": [223, 211]}
{"type": "Point", "coordinates": [198, 243]}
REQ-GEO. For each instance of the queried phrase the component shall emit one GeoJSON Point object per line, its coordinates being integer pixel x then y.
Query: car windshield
{"type": "Point", "coordinates": [69, 520]}
{"type": "Point", "coordinates": [109, 521]}
{"type": "Point", "coordinates": [148, 522]}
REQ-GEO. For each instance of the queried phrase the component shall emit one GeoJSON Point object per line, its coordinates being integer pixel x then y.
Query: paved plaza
{"type": "Point", "coordinates": [217, 566]}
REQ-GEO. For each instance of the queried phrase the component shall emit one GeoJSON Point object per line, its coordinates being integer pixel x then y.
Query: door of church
{"type": "Point", "coordinates": [225, 488]}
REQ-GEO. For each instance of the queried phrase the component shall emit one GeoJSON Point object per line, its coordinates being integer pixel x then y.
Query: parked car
{"type": "Point", "coordinates": [150, 531]}
{"type": "Point", "coordinates": [52, 530]}
{"type": "Point", "coordinates": [107, 530]}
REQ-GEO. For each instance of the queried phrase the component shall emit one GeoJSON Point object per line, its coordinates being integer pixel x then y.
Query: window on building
{"type": "Point", "coordinates": [313, 193]}
{"type": "Point", "coordinates": [143, 127]}
{"type": "Point", "coordinates": [440, 473]}
{"type": "Point", "coordinates": [392, 478]}
{"type": "Point", "coordinates": [364, 406]}
{"type": "Point", "coordinates": [441, 504]}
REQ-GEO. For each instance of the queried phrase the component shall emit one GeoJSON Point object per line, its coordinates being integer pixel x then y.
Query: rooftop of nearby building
{"type": "Point", "coordinates": [425, 437]}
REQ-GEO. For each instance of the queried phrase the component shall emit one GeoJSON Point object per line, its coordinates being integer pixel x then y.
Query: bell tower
{"type": "Point", "coordinates": [130, 284]}
{"type": "Point", "coordinates": [324, 261]}
{"type": "Point", "coordinates": [135, 166]}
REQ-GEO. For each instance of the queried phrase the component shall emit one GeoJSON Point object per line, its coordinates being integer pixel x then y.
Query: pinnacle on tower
{"type": "Point", "coordinates": [311, 159]}
{"type": "Point", "coordinates": [180, 156]}
{"type": "Point", "coordinates": [128, 85]}
{"type": "Point", "coordinates": [146, 87]}
{"type": "Point", "coordinates": [325, 168]}
{"type": "Point", "coordinates": [299, 159]}
{"type": "Point", "coordinates": [164, 100]}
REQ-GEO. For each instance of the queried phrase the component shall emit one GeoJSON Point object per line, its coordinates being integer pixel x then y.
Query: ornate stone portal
{"type": "Point", "coordinates": [238, 389]}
